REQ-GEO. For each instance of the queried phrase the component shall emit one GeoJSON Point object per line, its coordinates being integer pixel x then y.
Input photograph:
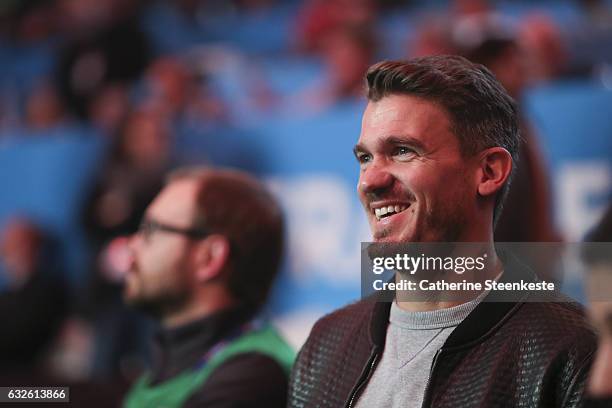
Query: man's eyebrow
{"type": "Point", "coordinates": [395, 140]}
{"type": "Point", "coordinates": [359, 148]}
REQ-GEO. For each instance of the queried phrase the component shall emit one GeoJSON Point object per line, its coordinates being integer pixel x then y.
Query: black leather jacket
{"type": "Point", "coordinates": [504, 354]}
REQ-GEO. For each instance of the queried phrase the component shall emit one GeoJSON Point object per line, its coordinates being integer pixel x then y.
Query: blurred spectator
{"type": "Point", "coordinates": [28, 21]}
{"type": "Point", "coordinates": [34, 302]}
{"type": "Point", "coordinates": [527, 212]}
{"type": "Point", "coordinates": [254, 4]}
{"type": "Point", "coordinates": [225, 5]}
{"type": "Point", "coordinates": [318, 17]}
{"type": "Point", "coordinates": [202, 265]}
{"type": "Point", "coordinates": [588, 41]}
{"type": "Point", "coordinates": [544, 47]}
{"type": "Point", "coordinates": [86, 17]}
{"type": "Point", "coordinates": [170, 84]}
{"type": "Point", "coordinates": [347, 52]}
{"type": "Point", "coordinates": [432, 38]}
{"type": "Point", "coordinates": [106, 46]}
{"type": "Point", "coordinates": [132, 175]}
{"type": "Point", "coordinates": [434, 34]}
{"type": "Point", "coordinates": [491, 40]}
{"type": "Point", "coordinates": [470, 8]}
{"type": "Point", "coordinates": [174, 89]}
{"type": "Point", "coordinates": [109, 107]}
{"type": "Point", "coordinates": [44, 108]}
{"type": "Point", "coordinates": [597, 12]}
{"type": "Point", "coordinates": [133, 172]}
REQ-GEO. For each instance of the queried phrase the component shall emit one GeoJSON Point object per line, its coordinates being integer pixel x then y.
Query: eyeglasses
{"type": "Point", "coordinates": [148, 227]}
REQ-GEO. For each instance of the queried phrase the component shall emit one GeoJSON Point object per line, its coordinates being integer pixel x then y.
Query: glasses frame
{"type": "Point", "coordinates": [148, 227]}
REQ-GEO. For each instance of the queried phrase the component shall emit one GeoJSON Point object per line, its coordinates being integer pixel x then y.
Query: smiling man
{"type": "Point", "coordinates": [438, 144]}
{"type": "Point", "coordinates": [202, 265]}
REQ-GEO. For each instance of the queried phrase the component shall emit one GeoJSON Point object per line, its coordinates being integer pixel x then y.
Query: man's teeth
{"type": "Point", "coordinates": [392, 209]}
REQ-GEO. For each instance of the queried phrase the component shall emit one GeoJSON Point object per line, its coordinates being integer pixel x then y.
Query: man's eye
{"type": "Point", "coordinates": [363, 157]}
{"type": "Point", "coordinates": [403, 150]}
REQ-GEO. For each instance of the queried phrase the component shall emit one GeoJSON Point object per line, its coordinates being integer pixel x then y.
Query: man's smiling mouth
{"type": "Point", "coordinates": [384, 211]}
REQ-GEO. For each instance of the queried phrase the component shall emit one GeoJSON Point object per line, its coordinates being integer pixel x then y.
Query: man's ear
{"type": "Point", "coordinates": [495, 168]}
{"type": "Point", "coordinates": [211, 257]}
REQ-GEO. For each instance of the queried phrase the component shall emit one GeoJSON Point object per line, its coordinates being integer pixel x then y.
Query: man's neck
{"type": "Point", "coordinates": [437, 300]}
{"type": "Point", "coordinates": [195, 310]}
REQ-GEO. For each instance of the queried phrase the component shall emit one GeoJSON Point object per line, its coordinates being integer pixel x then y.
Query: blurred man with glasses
{"type": "Point", "coordinates": [202, 264]}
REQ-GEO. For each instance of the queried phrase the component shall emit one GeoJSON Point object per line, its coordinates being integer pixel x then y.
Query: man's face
{"type": "Point", "coordinates": [159, 277]}
{"type": "Point", "coordinates": [414, 183]}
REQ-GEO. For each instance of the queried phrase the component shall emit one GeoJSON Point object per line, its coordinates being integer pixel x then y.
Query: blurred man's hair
{"type": "Point", "coordinates": [233, 204]}
{"type": "Point", "coordinates": [482, 114]}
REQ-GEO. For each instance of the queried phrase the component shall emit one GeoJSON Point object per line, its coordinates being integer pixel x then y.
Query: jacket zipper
{"type": "Point", "coordinates": [365, 376]}
{"type": "Point", "coordinates": [426, 396]}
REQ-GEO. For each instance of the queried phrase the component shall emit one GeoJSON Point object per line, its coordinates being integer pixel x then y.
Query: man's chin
{"type": "Point", "coordinates": [145, 306]}
{"type": "Point", "coordinates": [386, 240]}
{"type": "Point", "coordinates": [130, 292]}
{"type": "Point", "coordinates": [134, 299]}
{"type": "Point", "coordinates": [387, 237]}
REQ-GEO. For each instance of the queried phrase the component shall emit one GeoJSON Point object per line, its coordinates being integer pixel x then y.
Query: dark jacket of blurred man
{"type": "Point", "coordinates": [202, 264]}
{"type": "Point", "coordinates": [438, 140]}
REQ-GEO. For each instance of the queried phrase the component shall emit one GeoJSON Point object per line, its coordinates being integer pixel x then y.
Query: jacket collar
{"type": "Point", "coordinates": [182, 347]}
{"type": "Point", "coordinates": [483, 319]}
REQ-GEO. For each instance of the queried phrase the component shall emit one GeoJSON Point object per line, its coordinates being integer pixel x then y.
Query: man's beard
{"type": "Point", "coordinates": [444, 224]}
{"type": "Point", "coordinates": [441, 229]}
{"type": "Point", "coordinates": [159, 305]}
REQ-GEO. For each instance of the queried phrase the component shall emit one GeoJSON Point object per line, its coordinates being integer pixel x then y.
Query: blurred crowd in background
{"type": "Point", "coordinates": [150, 85]}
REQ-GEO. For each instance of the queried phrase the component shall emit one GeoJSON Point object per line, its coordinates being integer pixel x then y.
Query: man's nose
{"type": "Point", "coordinates": [375, 179]}
{"type": "Point", "coordinates": [120, 253]}
{"type": "Point", "coordinates": [133, 241]}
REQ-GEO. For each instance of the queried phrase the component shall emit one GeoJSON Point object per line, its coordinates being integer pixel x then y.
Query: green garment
{"type": "Point", "coordinates": [175, 391]}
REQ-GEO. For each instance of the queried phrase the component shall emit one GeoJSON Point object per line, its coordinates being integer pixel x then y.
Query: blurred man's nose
{"type": "Point", "coordinates": [375, 179]}
{"type": "Point", "coordinates": [134, 241]}
{"type": "Point", "coordinates": [119, 257]}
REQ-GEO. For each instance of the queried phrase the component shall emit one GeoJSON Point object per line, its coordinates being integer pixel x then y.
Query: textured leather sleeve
{"type": "Point", "coordinates": [574, 396]}
{"type": "Point", "coordinates": [331, 360]}
{"type": "Point", "coordinates": [579, 342]}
